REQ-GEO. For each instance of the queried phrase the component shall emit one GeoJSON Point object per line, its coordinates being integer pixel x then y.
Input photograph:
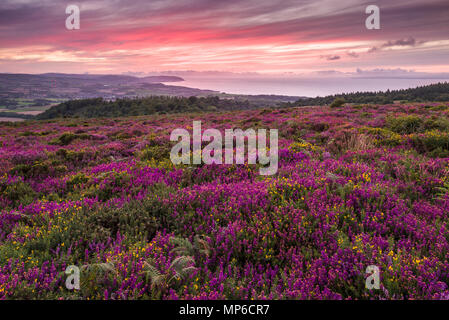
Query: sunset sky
{"type": "Point", "coordinates": [265, 36]}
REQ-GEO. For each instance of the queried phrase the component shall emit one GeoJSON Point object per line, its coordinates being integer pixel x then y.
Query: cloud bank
{"type": "Point", "coordinates": [271, 36]}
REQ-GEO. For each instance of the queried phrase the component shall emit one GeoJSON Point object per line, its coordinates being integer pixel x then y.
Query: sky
{"type": "Point", "coordinates": [243, 36]}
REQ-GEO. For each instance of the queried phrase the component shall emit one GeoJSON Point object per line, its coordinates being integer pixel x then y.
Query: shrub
{"type": "Point", "coordinates": [74, 157]}
{"type": "Point", "coordinates": [76, 180]}
{"type": "Point", "coordinates": [383, 136]}
{"type": "Point", "coordinates": [19, 193]}
{"type": "Point", "coordinates": [319, 126]}
{"type": "Point", "coordinates": [21, 169]}
{"type": "Point", "coordinates": [434, 143]}
{"type": "Point", "coordinates": [155, 152]}
{"type": "Point", "coordinates": [441, 123]}
{"type": "Point", "coordinates": [405, 124]}
{"type": "Point", "coordinates": [439, 108]}
{"type": "Point", "coordinates": [67, 137]}
{"type": "Point", "coordinates": [302, 145]}
{"type": "Point", "coordinates": [135, 220]}
{"type": "Point", "coordinates": [109, 186]}
{"type": "Point", "coordinates": [339, 102]}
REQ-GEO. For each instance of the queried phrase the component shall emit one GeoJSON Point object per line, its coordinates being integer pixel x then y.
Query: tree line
{"type": "Point", "coordinates": [99, 107]}
{"type": "Point", "coordinates": [438, 92]}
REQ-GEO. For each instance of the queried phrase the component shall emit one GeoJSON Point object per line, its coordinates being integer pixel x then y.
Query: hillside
{"type": "Point", "coordinates": [430, 93]}
{"type": "Point", "coordinates": [356, 186]}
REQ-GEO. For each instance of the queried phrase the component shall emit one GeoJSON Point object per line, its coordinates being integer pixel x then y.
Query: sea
{"type": "Point", "coordinates": [309, 87]}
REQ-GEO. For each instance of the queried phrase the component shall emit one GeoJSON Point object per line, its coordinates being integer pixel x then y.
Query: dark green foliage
{"type": "Point", "coordinates": [134, 219]}
{"type": "Point", "coordinates": [75, 181]}
{"type": "Point", "coordinates": [20, 193]}
{"type": "Point", "coordinates": [434, 143]}
{"type": "Point", "coordinates": [405, 125]}
{"type": "Point", "coordinates": [441, 123]}
{"type": "Point", "coordinates": [67, 137]}
{"type": "Point", "coordinates": [155, 152]}
{"type": "Point", "coordinates": [433, 92]}
{"type": "Point", "coordinates": [15, 115]}
{"type": "Point", "coordinates": [439, 108]}
{"type": "Point", "coordinates": [93, 108]}
{"type": "Point", "coordinates": [28, 171]}
{"type": "Point", "coordinates": [35, 134]}
{"type": "Point", "coordinates": [339, 102]}
{"type": "Point", "coordinates": [415, 124]}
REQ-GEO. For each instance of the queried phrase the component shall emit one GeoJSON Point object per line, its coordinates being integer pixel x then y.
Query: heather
{"type": "Point", "coordinates": [357, 185]}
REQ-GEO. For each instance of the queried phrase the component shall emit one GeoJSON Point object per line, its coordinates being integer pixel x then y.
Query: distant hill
{"type": "Point", "coordinates": [111, 78]}
{"type": "Point", "coordinates": [430, 93]}
{"type": "Point", "coordinates": [38, 92]}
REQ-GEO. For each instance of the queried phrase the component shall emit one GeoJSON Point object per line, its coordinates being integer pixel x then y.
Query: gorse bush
{"type": "Point", "coordinates": [443, 191]}
{"type": "Point", "coordinates": [404, 124]}
{"type": "Point", "coordinates": [155, 152]}
{"type": "Point", "coordinates": [135, 220]}
{"type": "Point", "coordinates": [67, 137]}
{"type": "Point", "coordinates": [441, 107]}
{"type": "Point", "coordinates": [383, 137]}
{"type": "Point", "coordinates": [440, 123]}
{"type": "Point", "coordinates": [76, 181]}
{"type": "Point", "coordinates": [435, 143]}
{"type": "Point", "coordinates": [339, 102]}
{"type": "Point", "coordinates": [19, 193]}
